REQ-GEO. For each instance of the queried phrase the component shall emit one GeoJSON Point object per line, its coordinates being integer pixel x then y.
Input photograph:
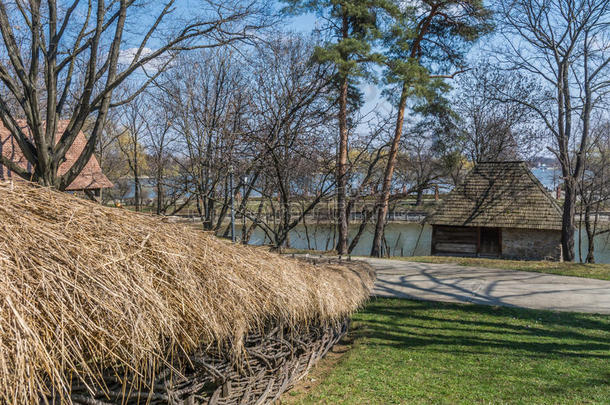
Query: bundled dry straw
{"type": "Point", "coordinates": [85, 289]}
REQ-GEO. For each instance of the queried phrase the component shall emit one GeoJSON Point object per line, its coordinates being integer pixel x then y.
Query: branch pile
{"type": "Point", "coordinates": [101, 305]}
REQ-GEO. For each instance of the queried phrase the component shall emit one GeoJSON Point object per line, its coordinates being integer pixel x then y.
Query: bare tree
{"type": "Point", "coordinates": [595, 186]}
{"type": "Point", "coordinates": [133, 120]}
{"type": "Point", "coordinates": [112, 161]}
{"type": "Point", "coordinates": [366, 177]}
{"type": "Point", "coordinates": [160, 140]}
{"type": "Point", "coordinates": [491, 125]}
{"type": "Point", "coordinates": [206, 95]}
{"type": "Point", "coordinates": [289, 132]}
{"type": "Point", "coordinates": [420, 164]}
{"type": "Point", "coordinates": [564, 43]}
{"type": "Point", "coordinates": [66, 60]}
{"type": "Point", "coordinates": [107, 151]}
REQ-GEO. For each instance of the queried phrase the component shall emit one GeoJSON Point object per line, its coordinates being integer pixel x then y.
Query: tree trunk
{"type": "Point", "coordinates": [342, 228]}
{"type": "Point", "coordinates": [564, 116]}
{"type": "Point", "coordinates": [382, 203]}
{"type": "Point", "coordinates": [581, 157]}
{"type": "Point", "coordinates": [159, 193]}
{"type": "Point", "coordinates": [307, 233]}
{"type": "Point", "coordinates": [244, 200]}
{"type": "Point", "coordinates": [136, 173]}
{"type": "Point", "coordinates": [590, 235]}
{"type": "Point", "coordinates": [255, 222]}
{"type": "Point", "coordinates": [382, 208]}
{"type": "Point", "coordinates": [420, 197]}
{"type": "Point", "coordinates": [568, 229]}
{"type": "Point", "coordinates": [136, 195]}
{"type": "Point", "coordinates": [342, 171]}
{"type": "Point", "coordinates": [366, 216]}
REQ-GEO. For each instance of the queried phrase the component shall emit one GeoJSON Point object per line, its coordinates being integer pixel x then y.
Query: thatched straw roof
{"type": "Point", "coordinates": [90, 178]}
{"type": "Point", "coordinates": [499, 194]}
{"type": "Point", "coordinates": [84, 288]}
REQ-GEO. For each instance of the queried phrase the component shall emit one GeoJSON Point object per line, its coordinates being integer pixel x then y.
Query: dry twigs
{"type": "Point", "coordinates": [109, 301]}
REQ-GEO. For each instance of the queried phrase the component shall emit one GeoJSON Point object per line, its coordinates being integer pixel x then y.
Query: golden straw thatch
{"type": "Point", "coordinates": [499, 195]}
{"type": "Point", "coordinates": [84, 289]}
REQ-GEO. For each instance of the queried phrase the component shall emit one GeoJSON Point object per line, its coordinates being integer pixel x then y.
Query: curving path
{"type": "Point", "coordinates": [453, 283]}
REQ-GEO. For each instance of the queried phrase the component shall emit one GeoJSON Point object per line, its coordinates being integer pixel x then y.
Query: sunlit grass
{"type": "Point", "coordinates": [409, 352]}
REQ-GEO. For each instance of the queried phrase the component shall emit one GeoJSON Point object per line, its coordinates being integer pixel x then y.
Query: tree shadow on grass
{"type": "Point", "coordinates": [459, 328]}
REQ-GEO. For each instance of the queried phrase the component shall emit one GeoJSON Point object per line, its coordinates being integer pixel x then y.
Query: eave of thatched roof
{"type": "Point", "coordinates": [499, 194]}
{"type": "Point", "coordinates": [90, 178]}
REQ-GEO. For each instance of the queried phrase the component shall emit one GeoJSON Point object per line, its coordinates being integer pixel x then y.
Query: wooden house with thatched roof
{"type": "Point", "coordinates": [499, 210]}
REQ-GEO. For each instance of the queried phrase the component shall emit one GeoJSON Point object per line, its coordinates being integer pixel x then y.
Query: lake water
{"type": "Point", "coordinates": [411, 239]}
{"type": "Point", "coordinates": [550, 177]}
{"type": "Point", "coordinates": [403, 239]}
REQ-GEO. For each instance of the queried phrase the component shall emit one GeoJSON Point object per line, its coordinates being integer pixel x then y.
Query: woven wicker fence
{"type": "Point", "coordinates": [272, 363]}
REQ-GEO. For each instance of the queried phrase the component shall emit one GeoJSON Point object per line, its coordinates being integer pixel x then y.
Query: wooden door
{"type": "Point", "coordinates": [490, 242]}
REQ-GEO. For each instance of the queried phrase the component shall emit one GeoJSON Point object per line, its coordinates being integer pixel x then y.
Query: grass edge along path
{"type": "Point", "coordinates": [599, 271]}
{"type": "Point", "coordinates": [405, 351]}
{"type": "Point", "coordinates": [595, 271]}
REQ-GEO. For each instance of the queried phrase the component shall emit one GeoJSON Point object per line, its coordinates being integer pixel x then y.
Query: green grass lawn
{"type": "Point", "coordinates": [406, 352]}
{"type": "Point", "coordinates": [597, 271]}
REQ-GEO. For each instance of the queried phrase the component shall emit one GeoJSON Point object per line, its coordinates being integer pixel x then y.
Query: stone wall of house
{"type": "Point", "coordinates": [531, 244]}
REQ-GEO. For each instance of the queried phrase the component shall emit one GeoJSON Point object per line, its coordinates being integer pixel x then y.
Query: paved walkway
{"type": "Point", "coordinates": [453, 283]}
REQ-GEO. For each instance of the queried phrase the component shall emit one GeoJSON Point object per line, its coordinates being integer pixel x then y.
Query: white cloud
{"type": "Point", "coordinates": [126, 57]}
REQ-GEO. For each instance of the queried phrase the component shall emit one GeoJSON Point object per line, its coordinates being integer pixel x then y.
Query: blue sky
{"type": "Point", "coordinates": [373, 98]}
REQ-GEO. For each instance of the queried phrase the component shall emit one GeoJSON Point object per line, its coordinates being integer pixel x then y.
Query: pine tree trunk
{"type": "Point", "coordinates": [384, 198]}
{"type": "Point", "coordinates": [341, 175]}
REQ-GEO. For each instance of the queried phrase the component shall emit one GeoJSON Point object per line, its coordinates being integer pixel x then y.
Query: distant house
{"type": "Point", "coordinates": [500, 210]}
{"type": "Point", "coordinates": [90, 180]}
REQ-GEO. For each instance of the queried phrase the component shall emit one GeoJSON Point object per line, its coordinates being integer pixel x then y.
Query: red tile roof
{"type": "Point", "coordinates": [90, 178]}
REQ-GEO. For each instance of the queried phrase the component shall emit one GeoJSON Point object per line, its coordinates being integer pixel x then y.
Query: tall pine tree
{"type": "Point", "coordinates": [425, 43]}
{"type": "Point", "coordinates": [352, 25]}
